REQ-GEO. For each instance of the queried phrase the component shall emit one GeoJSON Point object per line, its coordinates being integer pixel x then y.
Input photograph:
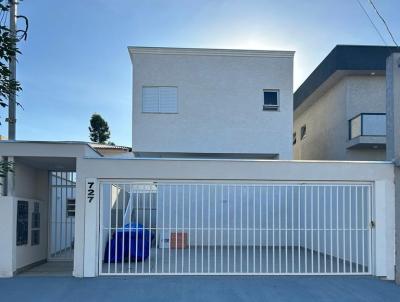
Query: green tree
{"type": "Point", "coordinates": [99, 131]}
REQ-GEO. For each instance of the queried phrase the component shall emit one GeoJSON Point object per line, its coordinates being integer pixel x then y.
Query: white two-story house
{"type": "Point", "coordinates": [212, 103]}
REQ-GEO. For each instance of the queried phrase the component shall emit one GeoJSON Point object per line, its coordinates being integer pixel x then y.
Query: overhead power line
{"type": "Point", "coordinates": [384, 22]}
{"type": "Point", "coordinates": [372, 22]}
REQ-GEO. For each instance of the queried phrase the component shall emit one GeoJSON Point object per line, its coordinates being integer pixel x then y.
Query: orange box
{"type": "Point", "coordinates": [179, 240]}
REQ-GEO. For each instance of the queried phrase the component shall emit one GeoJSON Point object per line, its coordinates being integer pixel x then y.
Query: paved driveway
{"type": "Point", "coordinates": [199, 288]}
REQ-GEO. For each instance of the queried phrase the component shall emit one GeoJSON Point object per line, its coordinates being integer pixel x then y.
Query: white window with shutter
{"type": "Point", "coordinates": [160, 99]}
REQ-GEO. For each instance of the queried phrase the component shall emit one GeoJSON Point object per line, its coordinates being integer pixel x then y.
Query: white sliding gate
{"type": "Point", "coordinates": [235, 228]}
{"type": "Point", "coordinates": [62, 215]}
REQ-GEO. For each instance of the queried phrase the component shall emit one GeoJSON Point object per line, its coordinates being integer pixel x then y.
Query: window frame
{"type": "Point", "coordinates": [158, 111]}
{"type": "Point", "coordinates": [35, 228]}
{"type": "Point", "coordinates": [278, 100]}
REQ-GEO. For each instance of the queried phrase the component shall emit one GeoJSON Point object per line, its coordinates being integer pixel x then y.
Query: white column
{"type": "Point", "coordinates": [393, 138]}
{"type": "Point", "coordinates": [7, 236]}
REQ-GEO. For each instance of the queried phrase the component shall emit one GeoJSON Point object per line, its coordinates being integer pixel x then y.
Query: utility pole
{"type": "Point", "coordinates": [393, 140]}
{"type": "Point", "coordinates": [12, 102]}
{"type": "Point", "coordinates": [8, 186]}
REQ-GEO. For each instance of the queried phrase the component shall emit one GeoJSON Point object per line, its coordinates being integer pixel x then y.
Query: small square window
{"type": "Point", "coordinates": [303, 132]}
{"type": "Point", "coordinates": [294, 138]}
{"type": "Point", "coordinates": [71, 207]}
{"type": "Point", "coordinates": [271, 100]}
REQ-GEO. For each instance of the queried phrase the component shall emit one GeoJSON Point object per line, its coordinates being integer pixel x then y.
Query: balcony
{"type": "Point", "coordinates": [367, 131]}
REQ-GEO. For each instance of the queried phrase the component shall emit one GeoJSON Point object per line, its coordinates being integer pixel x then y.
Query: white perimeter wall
{"type": "Point", "coordinates": [380, 175]}
{"type": "Point", "coordinates": [31, 185]}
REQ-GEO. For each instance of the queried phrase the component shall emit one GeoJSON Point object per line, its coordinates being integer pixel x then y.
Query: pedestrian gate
{"type": "Point", "coordinates": [62, 215]}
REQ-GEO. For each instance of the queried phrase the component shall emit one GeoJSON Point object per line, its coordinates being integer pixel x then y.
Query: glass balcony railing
{"type": "Point", "coordinates": [367, 124]}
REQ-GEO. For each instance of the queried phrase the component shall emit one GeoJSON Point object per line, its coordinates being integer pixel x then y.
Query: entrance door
{"type": "Point", "coordinates": [62, 215]}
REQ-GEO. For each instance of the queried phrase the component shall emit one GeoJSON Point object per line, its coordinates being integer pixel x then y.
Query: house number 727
{"type": "Point", "coordinates": [90, 191]}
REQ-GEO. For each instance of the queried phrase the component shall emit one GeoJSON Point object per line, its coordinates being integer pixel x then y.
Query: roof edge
{"type": "Point", "coordinates": [210, 51]}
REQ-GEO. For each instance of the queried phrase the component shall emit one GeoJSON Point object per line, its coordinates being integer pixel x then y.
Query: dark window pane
{"type": "Point", "coordinates": [303, 132]}
{"type": "Point", "coordinates": [22, 222]}
{"type": "Point", "coordinates": [271, 98]}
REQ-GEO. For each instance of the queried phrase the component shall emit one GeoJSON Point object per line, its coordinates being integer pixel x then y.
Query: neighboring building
{"type": "Point", "coordinates": [214, 103]}
{"type": "Point", "coordinates": [111, 150]}
{"type": "Point", "coordinates": [339, 111]}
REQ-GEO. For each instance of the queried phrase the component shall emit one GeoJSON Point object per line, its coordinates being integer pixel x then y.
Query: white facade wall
{"type": "Point", "coordinates": [327, 119]}
{"type": "Point", "coordinates": [220, 101]}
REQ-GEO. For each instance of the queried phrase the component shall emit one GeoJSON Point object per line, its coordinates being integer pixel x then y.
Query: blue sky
{"type": "Point", "coordinates": [75, 61]}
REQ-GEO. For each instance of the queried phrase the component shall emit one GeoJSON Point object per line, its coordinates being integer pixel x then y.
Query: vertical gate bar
{"type": "Point", "coordinates": [369, 199]}
{"type": "Point", "coordinates": [235, 229]}
{"type": "Point", "coordinates": [267, 225]}
{"type": "Point", "coordinates": [116, 234]}
{"type": "Point", "coordinates": [273, 229]}
{"type": "Point", "coordinates": [61, 209]}
{"type": "Point", "coordinates": [143, 206]}
{"type": "Point", "coordinates": [209, 227]}
{"type": "Point", "coordinates": [163, 229]}
{"type": "Point", "coordinates": [247, 228]}
{"type": "Point", "coordinates": [170, 228]}
{"type": "Point", "coordinates": [363, 230]}
{"type": "Point", "coordinates": [350, 230]}
{"type": "Point", "coordinates": [71, 196]}
{"type": "Point", "coordinates": [254, 229]}
{"type": "Point", "coordinates": [312, 228]}
{"type": "Point", "coordinates": [183, 226]}
{"type": "Point", "coordinates": [337, 229]}
{"type": "Point", "coordinates": [190, 227]}
{"type": "Point", "coordinates": [156, 229]}
{"type": "Point", "coordinates": [136, 194]}
{"type": "Point", "coordinates": [305, 229]}
{"type": "Point", "coordinates": [299, 227]}
{"type": "Point", "coordinates": [176, 228]}
{"type": "Point", "coordinates": [228, 227]}
{"type": "Point", "coordinates": [280, 228]}
{"type": "Point", "coordinates": [241, 228]}
{"type": "Point", "coordinates": [196, 228]}
{"type": "Point", "coordinates": [344, 229]}
{"type": "Point", "coordinates": [331, 217]}
{"type": "Point", "coordinates": [260, 227]}
{"type": "Point", "coordinates": [356, 228]}
{"type": "Point", "coordinates": [286, 228]}
{"type": "Point", "coordinates": [325, 229]}
{"type": "Point", "coordinates": [64, 212]}
{"type": "Point", "coordinates": [109, 230]}
{"type": "Point", "coordinates": [319, 230]}
{"type": "Point", "coordinates": [215, 231]}
{"type": "Point", "coordinates": [130, 228]}
{"type": "Point", "coordinates": [202, 228]}
{"type": "Point", "coordinates": [292, 228]}
{"type": "Point", "coordinates": [222, 227]}
{"type": "Point", "coordinates": [150, 189]}
{"type": "Point", "coordinates": [123, 229]}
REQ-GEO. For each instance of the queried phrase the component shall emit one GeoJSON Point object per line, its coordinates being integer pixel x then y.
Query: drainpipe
{"type": "Point", "coordinates": [393, 140]}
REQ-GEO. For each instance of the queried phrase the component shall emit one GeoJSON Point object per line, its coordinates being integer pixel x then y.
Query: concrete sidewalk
{"type": "Point", "coordinates": [199, 288]}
